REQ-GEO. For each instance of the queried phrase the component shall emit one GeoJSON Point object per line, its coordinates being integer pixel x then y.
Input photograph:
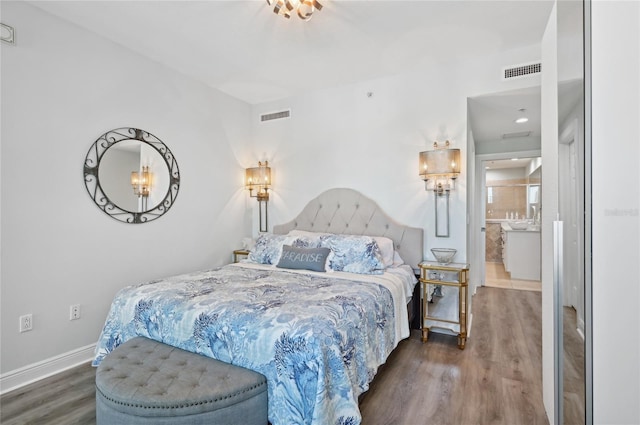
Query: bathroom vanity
{"type": "Point", "coordinates": [521, 251]}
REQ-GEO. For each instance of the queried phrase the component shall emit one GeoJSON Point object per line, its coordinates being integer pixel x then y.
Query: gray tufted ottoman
{"type": "Point", "coordinates": [147, 382]}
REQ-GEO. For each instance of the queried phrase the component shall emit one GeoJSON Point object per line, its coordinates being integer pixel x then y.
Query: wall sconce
{"type": "Point", "coordinates": [303, 8]}
{"type": "Point", "coordinates": [259, 179]}
{"type": "Point", "coordinates": [141, 182]}
{"type": "Point", "coordinates": [439, 169]}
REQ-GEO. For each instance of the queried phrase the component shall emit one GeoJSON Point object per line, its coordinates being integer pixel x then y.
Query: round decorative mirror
{"type": "Point", "coordinates": [131, 175]}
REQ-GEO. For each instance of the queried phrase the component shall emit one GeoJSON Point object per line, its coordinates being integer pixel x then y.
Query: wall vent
{"type": "Point", "coordinates": [516, 135]}
{"type": "Point", "coordinates": [275, 115]}
{"type": "Point", "coordinates": [519, 71]}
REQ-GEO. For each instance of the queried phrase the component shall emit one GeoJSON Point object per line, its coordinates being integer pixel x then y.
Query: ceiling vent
{"type": "Point", "coordinates": [519, 71]}
{"type": "Point", "coordinates": [515, 135]}
{"type": "Point", "coordinates": [275, 115]}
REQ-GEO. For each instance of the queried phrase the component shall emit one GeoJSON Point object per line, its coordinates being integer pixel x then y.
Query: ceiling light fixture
{"type": "Point", "coordinates": [303, 8]}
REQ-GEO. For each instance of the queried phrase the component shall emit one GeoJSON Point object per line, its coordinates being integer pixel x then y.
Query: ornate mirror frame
{"type": "Point", "coordinates": [96, 192]}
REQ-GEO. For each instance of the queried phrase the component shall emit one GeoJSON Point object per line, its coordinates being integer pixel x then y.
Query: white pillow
{"type": "Point", "coordinates": [386, 249]}
{"type": "Point", "coordinates": [397, 260]}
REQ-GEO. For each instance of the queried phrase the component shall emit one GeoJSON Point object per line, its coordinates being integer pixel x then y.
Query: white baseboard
{"type": "Point", "coordinates": [37, 371]}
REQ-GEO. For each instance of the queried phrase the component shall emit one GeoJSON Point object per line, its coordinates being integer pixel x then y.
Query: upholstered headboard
{"type": "Point", "coordinates": [346, 211]}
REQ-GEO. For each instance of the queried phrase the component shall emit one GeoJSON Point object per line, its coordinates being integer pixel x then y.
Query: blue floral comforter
{"type": "Point", "coordinates": [319, 338]}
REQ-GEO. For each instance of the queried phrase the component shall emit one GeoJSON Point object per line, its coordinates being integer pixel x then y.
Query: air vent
{"type": "Point", "coordinates": [275, 115]}
{"type": "Point", "coordinates": [515, 135]}
{"type": "Point", "coordinates": [519, 71]}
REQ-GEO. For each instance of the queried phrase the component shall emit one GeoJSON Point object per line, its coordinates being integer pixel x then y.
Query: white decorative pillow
{"type": "Point", "coordinates": [352, 253]}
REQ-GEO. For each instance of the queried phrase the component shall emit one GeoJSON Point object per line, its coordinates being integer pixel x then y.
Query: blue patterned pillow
{"type": "Point", "coordinates": [313, 238]}
{"type": "Point", "coordinates": [267, 249]}
{"type": "Point", "coordinates": [354, 254]}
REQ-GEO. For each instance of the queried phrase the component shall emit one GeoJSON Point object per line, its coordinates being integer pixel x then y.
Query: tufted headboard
{"type": "Point", "coordinates": [346, 211]}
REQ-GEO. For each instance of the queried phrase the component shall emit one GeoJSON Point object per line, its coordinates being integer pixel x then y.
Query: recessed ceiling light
{"type": "Point", "coordinates": [522, 120]}
{"type": "Point", "coordinates": [514, 159]}
{"type": "Point", "coordinates": [487, 168]}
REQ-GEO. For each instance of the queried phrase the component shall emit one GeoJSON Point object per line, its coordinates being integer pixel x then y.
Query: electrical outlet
{"type": "Point", "coordinates": [74, 312]}
{"type": "Point", "coordinates": [26, 323]}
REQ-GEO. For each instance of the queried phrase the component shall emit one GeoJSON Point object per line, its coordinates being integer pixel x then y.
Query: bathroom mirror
{"type": "Point", "coordinates": [131, 175]}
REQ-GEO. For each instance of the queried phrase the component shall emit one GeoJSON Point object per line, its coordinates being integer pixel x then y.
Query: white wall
{"type": "Point", "coordinates": [344, 137]}
{"type": "Point", "coordinates": [616, 218]}
{"type": "Point", "coordinates": [62, 87]}
{"type": "Point", "coordinates": [506, 174]}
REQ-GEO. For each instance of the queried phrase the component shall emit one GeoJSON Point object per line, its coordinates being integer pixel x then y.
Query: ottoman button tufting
{"type": "Point", "coordinates": [139, 393]}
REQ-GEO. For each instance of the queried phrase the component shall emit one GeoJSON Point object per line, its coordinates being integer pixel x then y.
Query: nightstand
{"type": "Point", "coordinates": [238, 253]}
{"type": "Point", "coordinates": [444, 299]}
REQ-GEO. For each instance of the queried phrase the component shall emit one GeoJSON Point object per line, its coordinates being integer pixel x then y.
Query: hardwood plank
{"type": "Point", "coordinates": [495, 380]}
{"type": "Point", "coordinates": [65, 398]}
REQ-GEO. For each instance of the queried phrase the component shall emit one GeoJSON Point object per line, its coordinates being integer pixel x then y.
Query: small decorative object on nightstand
{"type": "Point", "coordinates": [238, 254]}
{"type": "Point", "coordinates": [444, 299]}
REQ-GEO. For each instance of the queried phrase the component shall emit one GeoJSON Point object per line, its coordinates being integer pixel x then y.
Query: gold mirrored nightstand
{"type": "Point", "coordinates": [444, 299]}
{"type": "Point", "coordinates": [239, 254]}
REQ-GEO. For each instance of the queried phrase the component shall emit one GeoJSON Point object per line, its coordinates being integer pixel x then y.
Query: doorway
{"type": "Point", "coordinates": [511, 207]}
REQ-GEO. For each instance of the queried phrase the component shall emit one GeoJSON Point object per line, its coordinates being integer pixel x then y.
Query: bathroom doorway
{"type": "Point", "coordinates": [502, 126]}
{"type": "Point", "coordinates": [512, 194]}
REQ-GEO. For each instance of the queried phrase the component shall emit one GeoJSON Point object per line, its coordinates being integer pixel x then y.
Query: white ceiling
{"type": "Point", "coordinates": [492, 117]}
{"type": "Point", "coordinates": [514, 162]}
{"type": "Point", "coordinates": [242, 48]}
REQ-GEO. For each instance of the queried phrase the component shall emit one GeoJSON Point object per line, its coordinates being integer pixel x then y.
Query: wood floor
{"type": "Point", "coordinates": [495, 380]}
{"type": "Point", "coordinates": [497, 277]}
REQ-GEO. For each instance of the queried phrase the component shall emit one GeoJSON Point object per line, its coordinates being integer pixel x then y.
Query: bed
{"type": "Point", "coordinates": [318, 336]}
